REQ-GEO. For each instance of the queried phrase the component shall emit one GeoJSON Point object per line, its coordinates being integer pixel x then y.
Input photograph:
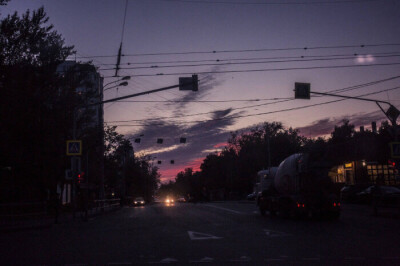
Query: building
{"type": "Point", "coordinates": [88, 127]}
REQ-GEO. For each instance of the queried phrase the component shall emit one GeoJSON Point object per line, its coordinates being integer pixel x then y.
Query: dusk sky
{"type": "Point", "coordinates": [250, 40]}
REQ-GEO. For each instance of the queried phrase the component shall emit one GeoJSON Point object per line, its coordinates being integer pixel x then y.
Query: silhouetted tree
{"type": "Point", "coordinates": [33, 131]}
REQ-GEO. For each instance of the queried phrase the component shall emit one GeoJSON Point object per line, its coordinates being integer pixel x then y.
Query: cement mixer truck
{"type": "Point", "coordinates": [299, 187]}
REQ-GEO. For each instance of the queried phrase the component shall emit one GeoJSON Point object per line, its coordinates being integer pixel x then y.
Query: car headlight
{"type": "Point", "coordinates": [142, 202]}
{"type": "Point", "coordinates": [135, 202]}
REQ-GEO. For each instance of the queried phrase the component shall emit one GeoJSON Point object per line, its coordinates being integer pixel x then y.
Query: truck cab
{"type": "Point", "coordinates": [265, 179]}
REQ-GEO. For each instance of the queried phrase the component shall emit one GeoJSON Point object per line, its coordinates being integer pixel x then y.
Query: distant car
{"type": "Point", "coordinates": [381, 195]}
{"type": "Point", "coordinates": [181, 199]}
{"type": "Point", "coordinates": [139, 201]}
{"type": "Point", "coordinates": [169, 200]}
{"type": "Point", "coordinates": [349, 193]}
{"type": "Point", "coordinates": [251, 196]}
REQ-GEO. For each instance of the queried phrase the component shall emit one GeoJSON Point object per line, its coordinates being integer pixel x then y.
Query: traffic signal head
{"type": "Point", "coordinates": [80, 177]}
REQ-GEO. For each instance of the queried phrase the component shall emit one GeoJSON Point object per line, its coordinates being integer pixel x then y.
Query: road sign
{"type": "Point", "coordinates": [189, 84]}
{"type": "Point", "coordinates": [392, 113]}
{"type": "Point", "coordinates": [395, 149]}
{"type": "Point", "coordinates": [69, 174]}
{"type": "Point", "coordinates": [302, 90]}
{"type": "Point", "coordinates": [74, 147]}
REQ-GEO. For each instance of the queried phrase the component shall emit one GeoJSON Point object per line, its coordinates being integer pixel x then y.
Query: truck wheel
{"type": "Point", "coordinates": [335, 215]}
{"type": "Point", "coordinates": [262, 211]}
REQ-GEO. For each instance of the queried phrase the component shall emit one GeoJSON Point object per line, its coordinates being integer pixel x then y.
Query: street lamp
{"type": "Point", "coordinates": [125, 83]}
{"type": "Point", "coordinates": [123, 78]}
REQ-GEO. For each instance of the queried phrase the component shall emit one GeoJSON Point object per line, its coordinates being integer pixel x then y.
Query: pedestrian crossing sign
{"type": "Point", "coordinates": [395, 149]}
{"type": "Point", "coordinates": [74, 147]}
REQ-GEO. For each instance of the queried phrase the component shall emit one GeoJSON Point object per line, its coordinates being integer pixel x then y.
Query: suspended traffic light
{"type": "Point", "coordinates": [158, 162]}
{"type": "Point", "coordinates": [137, 140]}
{"type": "Point", "coordinates": [160, 141]}
{"type": "Point", "coordinates": [172, 161]}
{"type": "Point", "coordinates": [182, 140]}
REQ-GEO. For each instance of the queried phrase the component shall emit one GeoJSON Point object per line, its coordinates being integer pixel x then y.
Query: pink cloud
{"type": "Point", "coordinates": [170, 173]}
{"type": "Point", "coordinates": [220, 145]}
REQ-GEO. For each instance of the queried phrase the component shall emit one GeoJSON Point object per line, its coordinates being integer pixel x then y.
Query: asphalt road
{"type": "Point", "coordinates": [229, 233]}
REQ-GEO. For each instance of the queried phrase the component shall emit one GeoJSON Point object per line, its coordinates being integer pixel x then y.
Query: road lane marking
{"type": "Point", "coordinates": [271, 233]}
{"type": "Point", "coordinates": [201, 236]}
{"type": "Point", "coordinates": [225, 209]}
{"type": "Point", "coordinates": [242, 258]}
{"type": "Point", "coordinates": [166, 260]}
{"type": "Point", "coordinates": [203, 260]}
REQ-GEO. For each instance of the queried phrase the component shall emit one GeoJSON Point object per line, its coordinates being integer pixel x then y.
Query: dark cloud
{"type": "Point", "coordinates": [207, 82]}
{"type": "Point", "coordinates": [200, 140]}
{"type": "Point", "coordinates": [326, 126]}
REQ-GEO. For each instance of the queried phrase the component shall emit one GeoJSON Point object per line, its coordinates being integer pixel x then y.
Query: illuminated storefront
{"type": "Point", "coordinates": [362, 172]}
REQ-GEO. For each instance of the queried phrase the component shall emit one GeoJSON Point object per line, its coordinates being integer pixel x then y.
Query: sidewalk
{"type": "Point", "coordinates": [14, 225]}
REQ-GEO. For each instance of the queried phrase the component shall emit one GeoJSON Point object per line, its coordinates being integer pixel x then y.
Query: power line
{"type": "Point", "coordinates": [254, 50]}
{"type": "Point", "coordinates": [269, 3]}
{"type": "Point", "coordinates": [205, 101]}
{"type": "Point", "coordinates": [265, 113]}
{"type": "Point", "coordinates": [250, 58]}
{"type": "Point", "coordinates": [251, 106]}
{"type": "Point", "coordinates": [248, 63]}
{"type": "Point", "coordinates": [264, 70]}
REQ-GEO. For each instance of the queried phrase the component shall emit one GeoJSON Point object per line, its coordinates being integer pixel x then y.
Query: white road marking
{"type": "Point", "coordinates": [242, 258]}
{"type": "Point", "coordinates": [166, 260]}
{"type": "Point", "coordinates": [271, 233]}
{"type": "Point", "coordinates": [201, 236]}
{"type": "Point", "coordinates": [205, 259]}
{"type": "Point", "coordinates": [225, 209]}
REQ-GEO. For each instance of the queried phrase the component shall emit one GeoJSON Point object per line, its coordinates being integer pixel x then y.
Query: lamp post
{"type": "Point", "coordinates": [115, 81]}
{"type": "Point", "coordinates": [125, 83]}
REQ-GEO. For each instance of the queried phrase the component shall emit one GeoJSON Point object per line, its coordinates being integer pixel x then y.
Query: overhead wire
{"type": "Point", "coordinates": [280, 3]}
{"type": "Point", "coordinates": [249, 62]}
{"type": "Point", "coordinates": [204, 101]}
{"type": "Point", "coordinates": [280, 101]}
{"type": "Point", "coordinates": [253, 50]}
{"type": "Point", "coordinates": [253, 58]}
{"type": "Point", "coordinates": [266, 69]}
{"type": "Point", "coordinates": [258, 114]}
